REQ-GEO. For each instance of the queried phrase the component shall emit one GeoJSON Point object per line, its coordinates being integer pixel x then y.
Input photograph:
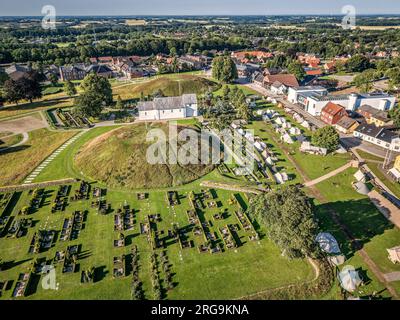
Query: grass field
{"type": "Point", "coordinates": [254, 266]}
{"type": "Point", "coordinates": [10, 141]}
{"type": "Point", "coordinates": [392, 185]}
{"type": "Point", "coordinates": [18, 162]}
{"type": "Point", "coordinates": [366, 223]}
{"type": "Point", "coordinates": [170, 86]}
{"type": "Point", "coordinates": [312, 166]}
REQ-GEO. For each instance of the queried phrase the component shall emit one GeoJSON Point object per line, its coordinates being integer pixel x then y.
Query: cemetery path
{"type": "Point", "coordinates": [329, 175]}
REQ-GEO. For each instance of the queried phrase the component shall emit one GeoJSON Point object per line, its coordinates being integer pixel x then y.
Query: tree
{"type": "Point", "coordinates": [364, 80]}
{"type": "Point", "coordinates": [358, 63]}
{"type": "Point", "coordinates": [224, 69]}
{"type": "Point", "coordinates": [53, 79]}
{"type": "Point", "coordinates": [3, 77]}
{"type": "Point", "coordinates": [297, 69]}
{"type": "Point", "coordinates": [326, 137]}
{"type": "Point", "coordinates": [69, 88]}
{"type": "Point", "coordinates": [287, 214]}
{"type": "Point", "coordinates": [89, 104]}
{"type": "Point", "coordinates": [96, 95]}
{"type": "Point", "coordinates": [12, 91]}
{"type": "Point", "coordinates": [31, 87]}
{"type": "Point", "coordinates": [394, 78]}
{"type": "Point", "coordinates": [99, 85]}
{"type": "Point", "coordinates": [119, 104]}
{"type": "Point", "coordinates": [394, 114]}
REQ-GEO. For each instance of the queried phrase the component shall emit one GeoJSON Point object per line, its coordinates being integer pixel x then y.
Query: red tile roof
{"type": "Point", "coordinates": [332, 108]}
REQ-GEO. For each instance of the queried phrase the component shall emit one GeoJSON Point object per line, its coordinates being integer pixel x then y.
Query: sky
{"type": "Point", "coordinates": [196, 7]}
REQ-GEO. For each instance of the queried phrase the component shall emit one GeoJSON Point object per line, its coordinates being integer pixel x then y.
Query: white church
{"type": "Point", "coordinates": [184, 106]}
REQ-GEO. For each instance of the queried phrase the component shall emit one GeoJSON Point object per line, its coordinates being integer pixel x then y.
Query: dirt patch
{"type": "Point", "coordinates": [25, 124]}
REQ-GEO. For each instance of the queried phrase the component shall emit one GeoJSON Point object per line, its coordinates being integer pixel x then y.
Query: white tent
{"type": "Point", "coordinates": [394, 254]}
{"type": "Point", "coordinates": [269, 161]}
{"type": "Point", "coordinates": [286, 125]}
{"type": "Point", "coordinates": [360, 176]}
{"type": "Point", "coordinates": [294, 131]}
{"type": "Point", "coordinates": [349, 278]}
{"type": "Point", "coordinates": [278, 178]}
{"type": "Point", "coordinates": [259, 145]}
{"type": "Point", "coordinates": [328, 243]}
{"type": "Point", "coordinates": [287, 138]}
{"type": "Point", "coordinates": [337, 260]}
{"type": "Point", "coordinates": [305, 124]}
{"type": "Point", "coordinates": [361, 187]}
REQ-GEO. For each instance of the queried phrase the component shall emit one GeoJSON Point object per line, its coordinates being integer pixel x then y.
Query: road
{"type": "Point", "coordinates": [347, 140]}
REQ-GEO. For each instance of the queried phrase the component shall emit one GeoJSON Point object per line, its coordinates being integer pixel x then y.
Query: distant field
{"type": "Point", "coordinates": [135, 22]}
{"type": "Point", "coordinates": [18, 162]}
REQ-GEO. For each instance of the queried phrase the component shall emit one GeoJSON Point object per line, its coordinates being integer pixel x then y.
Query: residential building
{"type": "Point", "coordinates": [75, 72]}
{"type": "Point", "coordinates": [379, 136]}
{"type": "Point", "coordinates": [294, 92]}
{"type": "Point", "coordinates": [246, 56]}
{"type": "Point", "coordinates": [16, 71]}
{"type": "Point", "coordinates": [169, 108]}
{"type": "Point", "coordinates": [101, 70]}
{"type": "Point", "coordinates": [313, 103]}
{"type": "Point", "coordinates": [372, 115]}
{"type": "Point", "coordinates": [346, 125]}
{"type": "Point", "coordinates": [332, 113]}
{"type": "Point", "coordinates": [395, 171]}
{"type": "Point", "coordinates": [258, 78]}
{"type": "Point", "coordinates": [279, 88]}
{"type": "Point", "coordinates": [288, 80]}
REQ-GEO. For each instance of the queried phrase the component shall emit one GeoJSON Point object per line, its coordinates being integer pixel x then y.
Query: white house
{"type": "Point", "coordinates": [293, 92]}
{"type": "Point", "coordinates": [278, 88]}
{"type": "Point", "coordinates": [380, 136]}
{"type": "Point", "coordinates": [313, 103]}
{"type": "Point", "coordinates": [169, 108]}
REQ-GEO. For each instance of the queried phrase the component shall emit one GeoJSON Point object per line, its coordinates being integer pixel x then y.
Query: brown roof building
{"type": "Point", "coordinates": [332, 113]}
{"type": "Point", "coordinates": [288, 80]}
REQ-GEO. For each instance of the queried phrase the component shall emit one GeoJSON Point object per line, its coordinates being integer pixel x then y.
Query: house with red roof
{"type": "Point", "coordinates": [332, 113]}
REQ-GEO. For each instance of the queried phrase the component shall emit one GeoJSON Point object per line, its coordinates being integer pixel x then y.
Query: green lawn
{"type": "Point", "coordinates": [369, 156]}
{"type": "Point", "coordinates": [252, 267]}
{"type": "Point", "coordinates": [392, 185]}
{"type": "Point", "coordinates": [358, 213]}
{"type": "Point", "coordinates": [18, 162]}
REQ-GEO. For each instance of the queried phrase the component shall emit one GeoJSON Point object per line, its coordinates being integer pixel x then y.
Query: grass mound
{"type": "Point", "coordinates": [170, 86]}
{"type": "Point", "coordinates": [118, 158]}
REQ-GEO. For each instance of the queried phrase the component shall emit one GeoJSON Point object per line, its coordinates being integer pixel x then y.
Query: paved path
{"type": "Point", "coordinates": [330, 174]}
{"type": "Point", "coordinates": [49, 159]}
{"type": "Point", "coordinates": [393, 276]}
{"type": "Point", "coordinates": [388, 209]}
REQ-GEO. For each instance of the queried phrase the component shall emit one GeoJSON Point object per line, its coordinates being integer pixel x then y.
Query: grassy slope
{"type": "Point", "coordinates": [119, 160]}
{"type": "Point", "coordinates": [170, 86]}
{"type": "Point", "coordinates": [18, 162]}
{"type": "Point", "coordinates": [10, 141]}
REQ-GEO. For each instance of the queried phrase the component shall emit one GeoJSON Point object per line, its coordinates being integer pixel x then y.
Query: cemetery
{"type": "Point", "coordinates": [161, 229]}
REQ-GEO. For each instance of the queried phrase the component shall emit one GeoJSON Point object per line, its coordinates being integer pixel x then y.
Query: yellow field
{"type": "Point", "coordinates": [135, 22]}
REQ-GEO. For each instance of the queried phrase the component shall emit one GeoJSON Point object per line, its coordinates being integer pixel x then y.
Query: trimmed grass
{"type": "Point", "coordinates": [392, 185]}
{"type": "Point", "coordinates": [10, 141]}
{"type": "Point", "coordinates": [369, 156]}
{"type": "Point", "coordinates": [358, 213]}
{"type": "Point", "coordinates": [120, 159]}
{"type": "Point", "coordinates": [173, 85]}
{"type": "Point", "coordinates": [252, 267]}
{"type": "Point", "coordinates": [18, 162]}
